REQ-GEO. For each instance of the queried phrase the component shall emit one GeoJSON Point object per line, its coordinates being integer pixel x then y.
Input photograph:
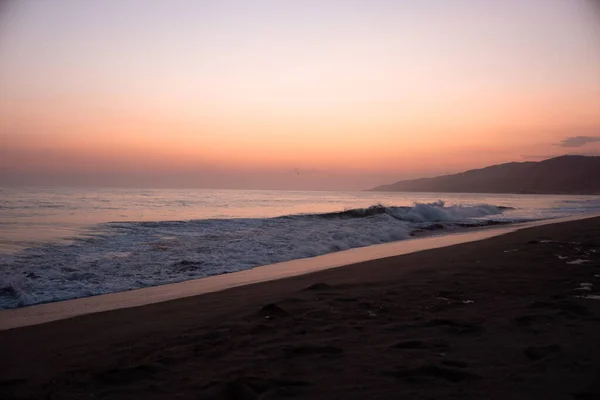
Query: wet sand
{"type": "Point", "coordinates": [498, 318]}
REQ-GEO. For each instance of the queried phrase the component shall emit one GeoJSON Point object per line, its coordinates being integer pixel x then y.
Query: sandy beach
{"type": "Point", "coordinates": [506, 317]}
{"type": "Point", "coordinates": [353, 200]}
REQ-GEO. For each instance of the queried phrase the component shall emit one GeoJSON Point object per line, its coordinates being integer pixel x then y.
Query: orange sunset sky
{"type": "Point", "coordinates": [276, 94]}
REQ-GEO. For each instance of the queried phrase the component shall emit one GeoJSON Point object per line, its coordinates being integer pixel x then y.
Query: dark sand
{"type": "Point", "coordinates": [493, 319]}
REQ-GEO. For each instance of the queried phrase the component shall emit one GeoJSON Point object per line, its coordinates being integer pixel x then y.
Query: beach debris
{"type": "Point", "coordinates": [589, 297]}
{"type": "Point", "coordinates": [561, 257]}
{"type": "Point", "coordinates": [577, 262]}
{"type": "Point", "coordinates": [585, 286]}
{"type": "Point", "coordinates": [454, 301]}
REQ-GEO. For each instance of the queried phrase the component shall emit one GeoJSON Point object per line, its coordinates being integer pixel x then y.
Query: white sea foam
{"type": "Point", "coordinates": [127, 255]}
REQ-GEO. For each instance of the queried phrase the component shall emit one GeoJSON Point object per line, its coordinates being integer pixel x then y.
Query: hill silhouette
{"type": "Point", "coordinates": [559, 175]}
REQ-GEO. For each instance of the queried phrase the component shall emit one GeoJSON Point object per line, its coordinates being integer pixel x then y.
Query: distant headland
{"type": "Point", "coordinates": [559, 175]}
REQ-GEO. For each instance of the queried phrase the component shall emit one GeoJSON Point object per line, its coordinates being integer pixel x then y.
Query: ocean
{"type": "Point", "coordinates": [58, 244]}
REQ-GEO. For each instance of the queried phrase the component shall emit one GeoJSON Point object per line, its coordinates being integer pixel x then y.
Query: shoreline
{"type": "Point", "coordinates": [54, 311]}
{"type": "Point", "coordinates": [505, 317]}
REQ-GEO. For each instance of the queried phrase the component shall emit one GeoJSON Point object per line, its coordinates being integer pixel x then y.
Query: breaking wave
{"type": "Point", "coordinates": [422, 212]}
{"type": "Point", "coordinates": [122, 256]}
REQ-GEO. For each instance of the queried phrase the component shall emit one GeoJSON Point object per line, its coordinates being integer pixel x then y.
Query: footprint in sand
{"type": "Point", "coordinates": [273, 311]}
{"type": "Point", "coordinates": [318, 286]}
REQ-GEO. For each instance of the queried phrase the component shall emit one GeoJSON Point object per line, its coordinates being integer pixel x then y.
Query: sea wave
{"type": "Point", "coordinates": [122, 256]}
{"type": "Point", "coordinates": [421, 212]}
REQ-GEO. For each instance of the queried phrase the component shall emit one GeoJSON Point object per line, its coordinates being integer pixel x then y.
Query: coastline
{"type": "Point", "coordinates": [47, 312]}
{"type": "Point", "coordinates": [498, 318]}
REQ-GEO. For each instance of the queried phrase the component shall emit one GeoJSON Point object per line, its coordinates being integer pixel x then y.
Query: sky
{"type": "Point", "coordinates": [285, 94]}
